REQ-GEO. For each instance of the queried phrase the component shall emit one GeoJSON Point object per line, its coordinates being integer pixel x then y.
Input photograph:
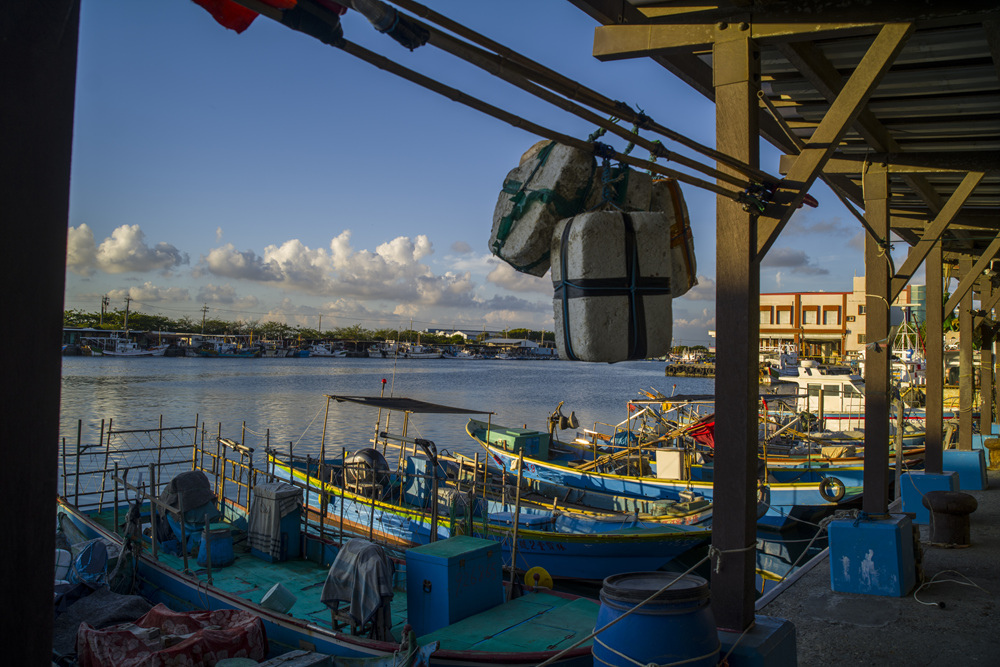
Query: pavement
{"type": "Point", "coordinates": [951, 618]}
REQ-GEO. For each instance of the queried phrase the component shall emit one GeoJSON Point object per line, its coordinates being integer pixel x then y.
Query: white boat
{"type": "Point", "coordinates": [420, 352]}
{"type": "Point", "coordinates": [324, 350]}
{"type": "Point", "coordinates": [123, 347]}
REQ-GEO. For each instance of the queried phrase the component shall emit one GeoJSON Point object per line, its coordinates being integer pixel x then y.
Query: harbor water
{"type": "Point", "coordinates": [283, 402]}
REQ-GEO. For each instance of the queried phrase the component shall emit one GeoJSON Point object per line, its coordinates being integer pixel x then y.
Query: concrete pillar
{"type": "Point", "coordinates": [935, 360]}
{"type": "Point", "coordinates": [966, 377]}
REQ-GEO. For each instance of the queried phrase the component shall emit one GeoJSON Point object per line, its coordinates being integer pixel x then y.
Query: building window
{"type": "Point", "coordinates": [861, 310]}
{"type": "Point", "coordinates": [808, 317]}
{"type": "Point", "coordinates": [831, 316]}
{"type": "Point", "coordinates": [861, 339]}
{"type": "Point", "coordinates": [784, 317]}
{"type": "Point", "coordinates": [765, 316]}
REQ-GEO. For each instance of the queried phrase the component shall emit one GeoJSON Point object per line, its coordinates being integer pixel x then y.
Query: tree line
{"type": "Point", "coordinates": [138, 321]}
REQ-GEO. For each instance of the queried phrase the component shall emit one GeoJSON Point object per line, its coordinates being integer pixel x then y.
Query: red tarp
{"type": "Point", "coordinates": [235, 16]}
{"type": "Point", "coordinates": [163, 637]}
{"type": "Point", "coordinates": [703, 433]}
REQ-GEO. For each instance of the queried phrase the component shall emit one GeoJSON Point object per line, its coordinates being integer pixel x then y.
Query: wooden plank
{"type": "Point", "coordinates": [972, 274]}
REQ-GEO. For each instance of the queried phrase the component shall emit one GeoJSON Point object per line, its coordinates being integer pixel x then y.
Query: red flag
{"type": "Point", "coordinates": [236, 17]}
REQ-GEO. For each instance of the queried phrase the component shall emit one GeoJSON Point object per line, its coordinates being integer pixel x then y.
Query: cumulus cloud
{"type": "Point", "coordinates": [149, 293]}
{"type": "Point", "coordinates": [218, 233]}
{"type": "Point", "coordinates": [802, 224]}
{"type": "Point", "coordinates": [81, 251]}
{"type": "Point", "coordinates": [797, 261]}
{"type": "Point", "coordinates": [503, 275]}
{"type": "Point", "coordinates": [461, 247]}
{"type": "Point", "coordinates": [857, 241]}
{"type": "Point", "coordinates": [226, 295]}
{"type": "Point", "coordinates": [124, 251]}
{"type": "Point", "coordinates": [228, 262]}
{"type": "Point", "coordinates": [703, 291]}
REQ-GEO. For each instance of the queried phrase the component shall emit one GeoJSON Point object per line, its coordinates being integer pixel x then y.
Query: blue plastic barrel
{"type": "Point", "coordinates": [222, 546]}
{"type": "Point", "coordinates": [676, 626]}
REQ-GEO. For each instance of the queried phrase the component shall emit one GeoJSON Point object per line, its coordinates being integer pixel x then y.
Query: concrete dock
{"type": "Point", "coordinates": [952, 621]}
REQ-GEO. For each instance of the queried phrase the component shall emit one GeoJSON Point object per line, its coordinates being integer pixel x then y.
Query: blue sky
{"type": "Point", "coordinates": [272, 177]}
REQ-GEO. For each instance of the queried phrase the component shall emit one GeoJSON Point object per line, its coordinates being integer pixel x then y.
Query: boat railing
{"type": "Point", "coordinates": [87, 469]}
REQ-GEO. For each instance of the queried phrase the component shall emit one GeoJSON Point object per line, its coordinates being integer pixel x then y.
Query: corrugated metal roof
{"type": "Point", "coordinates": [941, 95]}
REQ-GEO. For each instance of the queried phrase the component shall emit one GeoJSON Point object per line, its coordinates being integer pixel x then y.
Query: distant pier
{"type": "Point", "coordinates": [697, 370]}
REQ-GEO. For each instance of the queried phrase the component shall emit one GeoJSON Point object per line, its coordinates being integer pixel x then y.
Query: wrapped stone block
{"type": "Point", "coordinates": [551, 183]}
{"type": "Point", "coordinates": [668, 198]}
{"type": "Point", "coordinates": [611, 278]}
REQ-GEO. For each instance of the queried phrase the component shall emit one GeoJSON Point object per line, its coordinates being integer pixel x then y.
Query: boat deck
{"type": "Point", "coordinates": [536, 621]}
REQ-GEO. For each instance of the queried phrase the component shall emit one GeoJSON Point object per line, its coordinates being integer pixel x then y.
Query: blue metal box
{"type": "Point", "coordinates": [875, 557]}
{"type": "Point", "coordinates": [449, 580]}
{"type": "Point", "coordinates": [970, 466]}
{"type": "Point", "coordinates": [914, 485]}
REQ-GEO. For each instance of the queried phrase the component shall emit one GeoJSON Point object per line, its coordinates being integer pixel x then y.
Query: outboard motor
{"type": "Point", "coordinates": [366, 472]}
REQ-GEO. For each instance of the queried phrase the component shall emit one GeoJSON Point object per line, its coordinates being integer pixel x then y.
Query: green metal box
{"type": "Point", "coordinates": [534, 444]}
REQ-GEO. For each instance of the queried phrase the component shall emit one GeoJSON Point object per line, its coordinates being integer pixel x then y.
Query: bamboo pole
{"type": "Point", "coordinates": [152, 512]}
{"type": "Point", "coordinates": [517, 521]}
{"type": "Point", "coordinates": [343, 489]}
{"type": "Point", "coordinates": [194, 445]}
{"type": "Point", "coordinates": [65, 472]}
{"type": "Point", "coordinates": [76, 480]}
{"type": "Point", "coordinates": [104, 470]}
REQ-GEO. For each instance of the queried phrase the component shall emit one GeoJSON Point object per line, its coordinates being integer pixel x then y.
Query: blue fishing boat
{"type": "Point", "coordinates": [419, 503]}
{"type": "Point", "coordinates": [634, 472]}
{"type": "Point", "coordinates": [233, 540]}
{"type": "Point", "coordinates": [564, 545]}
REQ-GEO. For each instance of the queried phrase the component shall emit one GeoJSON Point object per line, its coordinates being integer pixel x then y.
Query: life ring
{"type": "Point", "coordinates": [832, 489]}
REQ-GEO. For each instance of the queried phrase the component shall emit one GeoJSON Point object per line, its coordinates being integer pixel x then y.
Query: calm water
{"type": "Point", "coordinates": [287, 395]}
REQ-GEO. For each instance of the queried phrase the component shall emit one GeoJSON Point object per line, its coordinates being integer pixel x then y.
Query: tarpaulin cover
{"type": "Point", "coordinates": [187, 491]}
{"type": "Point", "coordinates": [163, 637]}
{"type": "Point", "coordinates": [360, 576]}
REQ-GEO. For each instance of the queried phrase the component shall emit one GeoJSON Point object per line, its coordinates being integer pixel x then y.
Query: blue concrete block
{"type": "Point", "coordinates": [769, 643]}
{"type": "Point", "coordinates": [995, 429]}
{"type": "Point", "coordinates": [913, 486]}
{"type": "Point", "coordinates": [874, 557]}
{"type": "Point", "coordinates": [977, 440]}
{"type": "Point", "coordinates": [970, 466]}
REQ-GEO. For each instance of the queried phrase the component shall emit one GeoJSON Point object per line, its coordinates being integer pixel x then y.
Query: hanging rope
{"type": "Point", "coordinates": [323, 24]}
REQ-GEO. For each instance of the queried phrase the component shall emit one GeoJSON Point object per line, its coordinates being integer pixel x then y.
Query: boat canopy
{"type": "Point", "coordinates": [408, 405]}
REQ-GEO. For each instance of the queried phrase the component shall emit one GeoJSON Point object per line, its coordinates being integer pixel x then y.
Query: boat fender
{"type": "Point", "coordinates": [832, 489]}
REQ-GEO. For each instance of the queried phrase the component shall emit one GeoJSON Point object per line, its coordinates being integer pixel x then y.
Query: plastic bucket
{"type": "Point", "coordinates": [221, 540]}
{"type": "Point", "coordinates": [278, 599]}
{"type": "Point", "coordinates": [676, 626]}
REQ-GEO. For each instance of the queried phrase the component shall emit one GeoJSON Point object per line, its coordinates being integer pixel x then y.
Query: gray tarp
{"type": "Point", "coordinates": [361, 576]}
{"type": "Point", "coordinates": [271, 502]}
{"type": "Point", "coordinates": [188, 491]}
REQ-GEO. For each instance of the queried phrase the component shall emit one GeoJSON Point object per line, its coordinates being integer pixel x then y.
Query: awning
{"type": "Point", "coordinates": [407, 404]}
{"type": "Point", "coordinates": [822, 336]}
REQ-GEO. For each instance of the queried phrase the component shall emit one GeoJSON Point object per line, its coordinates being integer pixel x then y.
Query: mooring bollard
{"type": "Point", "coordinates": [950, 512]}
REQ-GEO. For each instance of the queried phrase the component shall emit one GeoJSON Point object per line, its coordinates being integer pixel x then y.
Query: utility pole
{"type": "Point", "coordinates": [204, 311]}
{"type": "Point", "coordinates": [105, 302]}
{"type": "Point", "coordinates": [321, 325]}
{"type": "Point", "coordinates": [128, 301]}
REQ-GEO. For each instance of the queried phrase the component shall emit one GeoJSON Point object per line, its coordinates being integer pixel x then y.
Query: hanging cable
{"type": "Point", "coordinates": [324, 24]}
{"type": "Point", "coordinates": [577, 91]}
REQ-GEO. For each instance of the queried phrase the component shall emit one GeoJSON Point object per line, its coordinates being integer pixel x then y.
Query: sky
{"type": "Point", "coordinates": [274, 178]}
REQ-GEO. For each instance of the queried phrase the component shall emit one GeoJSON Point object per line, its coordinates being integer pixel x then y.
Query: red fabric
{"type": "Point", "coordinates": [193, 638]}
{"type": "Point", "coordinates": [704, 433]}
{"type": "Point", "coordinates": [235, 16]}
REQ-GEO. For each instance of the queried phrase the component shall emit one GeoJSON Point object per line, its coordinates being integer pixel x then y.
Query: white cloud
{"type": "Point", "coordinates": [81, 251]}
{"type": "Point", "coordinates": [795, 260]}
{"type": "Point", "coordinates": [226, 295]}
{"type": "Point", "coordinates": [461, 247]}
{"type": "Point", "coordinates": [703, 291]}
{"type": "Point", "coordinates": [149, 293]}
{"type": "Point", "coordinates": [503, 275]}
{"type": "Point", "coordinates": [218, 233]}
{"type": "Point", "coordinates": [126, 251]}
{"type": "Point", "coordinates": [228, 262]}
{"type": "Point", "coordinates": [123, 252]}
